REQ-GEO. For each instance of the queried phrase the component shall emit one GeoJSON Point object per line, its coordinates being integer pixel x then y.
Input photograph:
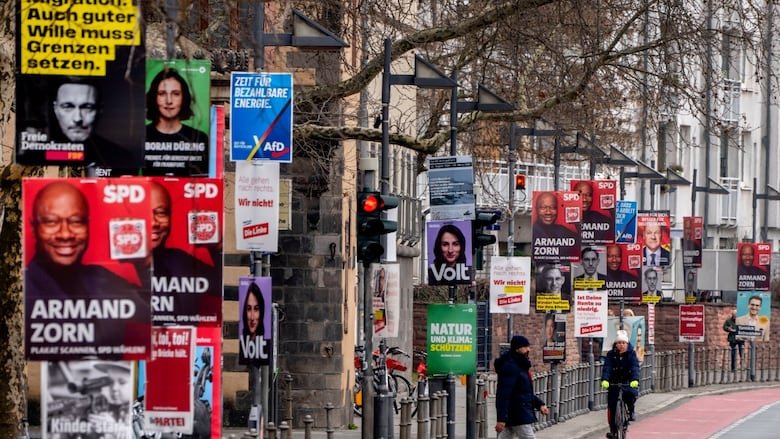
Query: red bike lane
{"type": "Point", "coordinates": [702, 416]}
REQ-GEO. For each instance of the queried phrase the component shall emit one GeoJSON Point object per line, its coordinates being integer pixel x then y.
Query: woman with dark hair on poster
{"type": "Point", "coordinates": [450, 247]}
{"type": "Point", "coordinates": [254, 311]}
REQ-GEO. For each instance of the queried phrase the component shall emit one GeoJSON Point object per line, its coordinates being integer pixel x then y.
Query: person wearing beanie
{"type": "Point", "coordinates": [621, 366]}
{"type": "Point", "coordinates": [515, 399]}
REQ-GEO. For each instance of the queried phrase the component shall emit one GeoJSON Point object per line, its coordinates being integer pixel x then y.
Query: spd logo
{"type": "Point", "coordinates": [123, 193]}
{"type": "Point", "coordinates": [197, 190]}
{"type": "Point", "coordinates": [127, 238]}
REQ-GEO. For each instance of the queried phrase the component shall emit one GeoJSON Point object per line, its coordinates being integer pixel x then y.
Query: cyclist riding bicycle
{"type": "Point", "coordinates": [621, 366]}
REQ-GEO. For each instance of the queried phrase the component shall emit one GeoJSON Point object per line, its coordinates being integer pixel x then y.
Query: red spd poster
{"type": "Point", "coordinates": [168, 400]}
{"type": "Point", "coordinates": [753, 263]}
{"type": "Point", "coordinates": [556, 226]}
{"type": "Point", "coordinates": [84, 296]}
{"type": "Point", "coordinates": [653, 235]}
{"type": "Point", "coordinates": [693, 235]}
{"type": "Point", "coordinates": [598, 210]}
{"type": "Point", "coordinates": [624, 268]}
{"type": "Point", "coordinates": [186, 242]}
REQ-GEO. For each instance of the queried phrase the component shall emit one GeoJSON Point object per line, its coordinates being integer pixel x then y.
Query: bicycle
{"type": "Point", "coordinates": [397, 385]}
{"type": "Point", "coordinates": [621, 413]}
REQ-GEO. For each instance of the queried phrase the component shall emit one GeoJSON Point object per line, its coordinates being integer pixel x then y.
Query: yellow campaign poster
{"type": "Point", "coordinates": [80, 87]}
{"type": "Point", "coordinates": [75, 37]}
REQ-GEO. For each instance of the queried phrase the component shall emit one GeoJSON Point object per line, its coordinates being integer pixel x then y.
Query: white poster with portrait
{"type": "Point", "coordinates": [386, 294]}
{"type": "Point", "coordinates": [86, 399]}
{"type": "Point", "coordinates": [510, 284]}
{"type": "Point", "coordinates": [257, 206]}
{"type": "Point", "coordinates": [590, 313]}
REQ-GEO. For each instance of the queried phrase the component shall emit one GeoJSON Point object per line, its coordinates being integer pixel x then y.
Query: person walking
{"type": "Point", "coordinates": [621, 366]}
{"type": "Point", "coordinates": [515, 399]}
{"type": "Point", "coordinates": [730, 326]}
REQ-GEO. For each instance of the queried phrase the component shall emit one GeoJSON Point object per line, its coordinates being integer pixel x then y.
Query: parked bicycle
{"type": "Point", "coordinates": [397, 384]}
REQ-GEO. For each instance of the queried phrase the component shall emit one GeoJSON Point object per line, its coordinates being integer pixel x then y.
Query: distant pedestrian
{"type": "Point", "coordinates": [730, 326]}
{"type": "Point", "coordinates": [515, 398]}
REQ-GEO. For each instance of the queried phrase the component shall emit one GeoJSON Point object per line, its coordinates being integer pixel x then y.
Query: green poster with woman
{"type": "Point", "coordinates": [452, 339]}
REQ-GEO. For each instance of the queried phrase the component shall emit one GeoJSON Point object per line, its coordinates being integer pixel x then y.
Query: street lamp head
{"type": "Point", "coordinates": [308, 34]}
{"type": "Point", "coordinates": [426, 75]}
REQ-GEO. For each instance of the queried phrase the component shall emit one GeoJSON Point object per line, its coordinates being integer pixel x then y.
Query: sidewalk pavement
{"type": "Point", "coordinates": [587, 426]}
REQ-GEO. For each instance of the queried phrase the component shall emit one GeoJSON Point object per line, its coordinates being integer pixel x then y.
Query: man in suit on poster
{"type": "Point", "coordinates": [653, 254]}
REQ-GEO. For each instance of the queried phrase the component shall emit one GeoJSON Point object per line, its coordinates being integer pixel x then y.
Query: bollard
{"type": "Point", "coordinates": [406, 422]}
{"type": "Point", "coordinates": [284, 429]}
{"type": "Point", "coordinates": [444, 407]}
{"type": "Point", "coordinates": [479, 403]}
{"type": "Point", "coordinates": [434, 416]}
{"type": "Point", "coordinates": [307, 421]}
{"type": "Point", "coordinates": [328, 426]}
{"type": "Point", "coordinates": [288, 415]}
{"type": "Point", "coordinates": [271, 430]}
{"type": "Point", "coordinates": [423, 404]}
{"type": "Point", "coordinates": [251, 434]}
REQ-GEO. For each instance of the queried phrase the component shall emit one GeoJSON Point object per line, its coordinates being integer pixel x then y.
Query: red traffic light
{"type": "Point", "coordinates": [520, 182]}
{"type": "Point", "coordinates": [370, 203]}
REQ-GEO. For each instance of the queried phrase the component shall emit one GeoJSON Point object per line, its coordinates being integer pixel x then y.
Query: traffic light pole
{"type": "Point", "coordinates": [367, 420]}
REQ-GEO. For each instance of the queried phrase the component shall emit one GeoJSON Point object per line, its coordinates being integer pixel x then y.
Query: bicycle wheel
{"type": "Point", "coordinates": [401, 389]}
{"type": "Point", "coordinates": [621, 417]}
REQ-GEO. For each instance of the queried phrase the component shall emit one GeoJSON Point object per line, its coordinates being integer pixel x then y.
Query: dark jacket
{"type": "Point", "coordinates": [730, 326]}
{"type": "Point", "coordinates": [515, 399]}
{"type": "Point", "coordinates": [621, 368]}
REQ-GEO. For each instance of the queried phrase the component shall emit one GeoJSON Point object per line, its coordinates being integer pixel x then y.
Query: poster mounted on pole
{"type": "Point", "coordinates": [654, 237]}
{"type": "Point", "coordinates": [753, 266]}
{"type": "Point", "coordinates": [691, 328]}
{"type": "Point", "coordinates": [261, 116]}
{"type": "Point", "coordinates": [510, 284]}
{"type": "Point", "coordinates": [257, 206]}
{"type": "Point", "coordinates": [79, 91]}
{"type": "Point", "coordinates": [87, 291]}
{"type": "Point", "coordinates": [451, 187]}
{"type": "Point", "coordinates": [168, 399]}
{"type": "Point", "coordinates": [556, 218]}
{"type": "Point", "coordinates": [254, 320]}
{"type": "Point", "coordinates": [598, 210]}
{"type": "Point", "coordinates": [386, 293]}
{"type": "Point", "coordinates": [590, 314]}
{"type": "Point", "coordinates": [693, 235]}
{"type": "Point", "coordinates": [187, 251]}
{"type": "Point", "coordinates": [625, 222]}
{"type": "Point", "coordinates": [452, 339]}
{"type": "Point", "coordinates": [449, 252]}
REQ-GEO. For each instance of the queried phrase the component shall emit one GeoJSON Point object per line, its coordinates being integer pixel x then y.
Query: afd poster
{"type": "Point", "coordinates": [168, 399]}
{"type": "Point", "coordinates": [510, 284]}
{"type": "Point", "coordinates": [254, 320]}
{"type": "Point", "coordinates": [598, 210]}
{"type": "Point", "coordinates": [257, 206]}
{"type": "Point", "coordinates": [556, 219]}
{"type": "Point", "coordinates": [451, 187]}
{"type": "Point", "coordinates": [87, 294]}
{"type": "Point", "coordinates": [625, 222]}
{"type": "Point", "coordinates": [452, 339]}
{"type": "Point", "coordinates": [79, 91]}
{"type": "Point", "coordinates": [261, 116]}
{"type": "Point", "coordinates": [186, 241]}
{"type": "Point", "coordinates": [89, 399]}
{"type": "Point", "coordinates": [449, 252]}
{"type": "Point", "coordinates": [177, 117]}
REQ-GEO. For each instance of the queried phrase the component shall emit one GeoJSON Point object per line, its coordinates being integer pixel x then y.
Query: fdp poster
{"type": "Point", "coordinates": [693, 235]}
{"type": "Point", "coordinates": [177, 117]}
{"type": "Point", "coordinates": [655, 239]}
{"type": "Point", "coordinates": [386, 294]}
{"type": "Point", "coordinates": [753, 266]}
{"type": "Point", "coordinates": [510, 284]}
{"type": "Point", "coordinates": [168, 399]}
{"type": "Point", "coordinates": [87, 293]}
{"type": "Point", "coordinates": [257, 206]}
{"type": "Point", "coordinates": [598, 210]}
{"type": "Point", "coordinates": [624, 269]}
{"type": "Point", "coordinates": [254, 320]}
{"type": "Point", "coordinates": [79, 94]}
{"type": "Point", "coordinates": [86, 399]}
{"type": "Point", "coordinates": [625, 222]}
{"type": "Point", "coordinates": [449, 252]}
{"type": "Point", "coordinates": [261, 116]}
{"type": "Point", "coordinates": [451, 187]}
{"type": "Point", "coordinates": [452, 339]}
{"type": "Point", "coordinates": [187, 251]}
{"type": "Point", "coordinates": [556, 221]}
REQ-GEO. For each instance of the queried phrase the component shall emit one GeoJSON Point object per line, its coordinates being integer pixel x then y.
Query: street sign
{"type": "Point", "coordinates": [261, 110]}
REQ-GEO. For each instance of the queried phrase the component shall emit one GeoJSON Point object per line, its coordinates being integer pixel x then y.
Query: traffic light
{"type": "Point", "coordinates": [520, 182]}
{"type": "Point", "coordinates": [483, 218]}
{"type": "Point", "coordinates": [371, 226]}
